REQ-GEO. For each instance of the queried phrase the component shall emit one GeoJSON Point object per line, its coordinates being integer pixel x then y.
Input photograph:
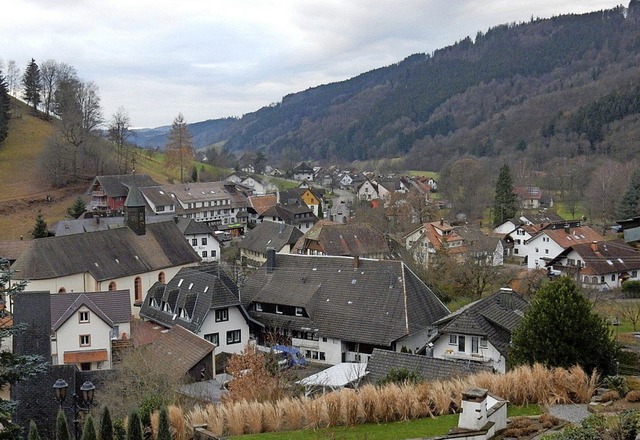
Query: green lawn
{"type": "Point", "coordinates": [427, 427]}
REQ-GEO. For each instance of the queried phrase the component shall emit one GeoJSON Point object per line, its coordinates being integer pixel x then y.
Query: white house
{"type": "Point", "coordinates": [480, 331]}
{"type": "Point", "coordinates": [303, 172]}
{"type": "Point", "coordinates": [83, 326]}
{"type": "Point", "coordinates": [600, 265]}
{"type": "Point", "coordinates": [205, 301]}
{"type": "Point", "coordinates": [202, 238]}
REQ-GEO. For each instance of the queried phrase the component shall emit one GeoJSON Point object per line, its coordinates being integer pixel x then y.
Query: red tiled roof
{"type": "Point", "coordinates": [579, 235]}
{"type": "Point", "coordinates": [262, 203]}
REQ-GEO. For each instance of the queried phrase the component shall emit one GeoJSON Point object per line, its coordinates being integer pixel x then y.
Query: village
{"type": "Point", "coordinates": [336, 301]}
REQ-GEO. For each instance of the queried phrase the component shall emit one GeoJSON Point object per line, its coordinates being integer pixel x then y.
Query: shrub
{"type": "Point", "coordinates": [617, 383]}
{"type": "Point", "coordinates": [631, 289]}
{"type": "Point", "coordinates": [633, 396]}
{"type": "Point", "coordinates": [609, 396]}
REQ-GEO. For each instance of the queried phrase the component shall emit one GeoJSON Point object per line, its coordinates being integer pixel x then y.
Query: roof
{"type": "Point", "coordinates": [157, 196]}
{"type": "Point", "coordinates": [604, 257]}
{"type": "Point", "coordinates": [364, 300]}
{"type": "Point", "coordinates": [270, 235]}
{"type": "Point", "coordinates": [494, 317]}
{"type": "Point", "coordinates": [566, 237]}
{"type": "Point", "coordinates": [206, 191]}
{"type": "Point", "coordinates": [291, 214]}
{"type": "Point", "coordinates": [528, 192]}
{"type": "Point", "coordinates": [11, 250]}
{"type": "Point", "coordinates": [112, 307]}
{"type": "Point", "coordinates": [134, 197]}
{"type": "Point", "coordinates": [261, 203]}
{"type": "Point", "coordinates": [195, 291]}
{"type": "Point", "coordinates": [346, 239]}
{"type": "Point", "coordinates": [337, 376]}
{"type": "Point", "coordinates": [117, 185]}
{"type": "Point", "coordinates": [109, 254]}
{"type": "Point", "coordinates": [178, 350]}
{"type": "Point", "coordinates": [189, 226]}
{"type": "Point", "coordinates": [382, 361]}
{"type": "Point", "coordinates": [98, 223]}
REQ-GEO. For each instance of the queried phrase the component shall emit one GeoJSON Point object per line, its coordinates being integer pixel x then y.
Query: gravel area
{"type": "Point", "coordinates": [574, 413]}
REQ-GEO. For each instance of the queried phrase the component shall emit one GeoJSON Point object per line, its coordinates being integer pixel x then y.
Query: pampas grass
{"type": "Point", "coordinates": [392, 402]}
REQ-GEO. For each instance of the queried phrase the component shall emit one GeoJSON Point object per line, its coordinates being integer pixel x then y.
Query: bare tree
{"type": "Point", "coordinates": [13, 76]}
{"type": "Point", "coordinates": [53, 74]}
{"type": "Point", "coordinates": [118, 134]}
{"type": "Point", "coordinates": [607, 180]}
{"type": "Point", "coordinates": [179, 152]}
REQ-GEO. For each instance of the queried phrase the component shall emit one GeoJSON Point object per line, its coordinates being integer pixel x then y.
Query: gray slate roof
{"type": "Point", "coordinates": [376, 303]}
{"type": "Point", "coordinates": [196, 290]}
{"type": "Point", "coordinates": [117, 186]}
{"type": "Point", "coordinates": [109, 254]}
{"type": "Point", "coordinates": [381, 361]}
{"type": "Point", "coordinates": [269, 234]}
{"type": "Point", "coordinates": [494, 317]}
{"type": "Point", "coordinates": [113, 307]}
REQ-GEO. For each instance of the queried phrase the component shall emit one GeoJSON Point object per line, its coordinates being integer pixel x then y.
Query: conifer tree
{"type": "Point", "coordinates": [32, 84]}
{"type": "Point", "coordinates": [89, 430]}
{"type": "Point", "coordinates": [62, 427]}
{"type": "Point", "coordinates": [164, 429]}
{"type": "Point", "coordinates": [505, 203]}
{"type": "Point", "coordinates": [134, 428]}
{"type": "Point", "coordinates": [106, 425]}
{"type": "Point", "coordinates": [628, 204]}
{"type": "Point", "coordinates": [78, 208]}
{"type": "Point", "coordinates": [33, 431]}
{"type": "Point", "coordinates": [5, 105]}
{"type": "Point", "coordinates": [179, 152]}
{"type": "Point", "coordinates": [40, 228]}
{"type": "Point", "coordinates": [560, 329]}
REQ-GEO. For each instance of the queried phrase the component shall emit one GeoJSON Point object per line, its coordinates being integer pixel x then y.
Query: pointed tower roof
{"type": "Point", "coordinates": [134, 198]}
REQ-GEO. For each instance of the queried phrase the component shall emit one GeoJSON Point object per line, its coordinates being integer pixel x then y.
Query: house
{"type": "Point", "coordinates": [481, 246]}
{"type": "Point", "coordinates": [529, 196]}
{"type": "Point", "coordinates": [549, 242]}
{"type": "Point", "coordinates": [190, 357]}
{"type": "Point", "coordinates": [202, 238]}
{"type": "Point", "coordinates": [600, 265]}
{"type": "Point", "coordinates": [340, 239]}
{"type": "Point", "coordinates": [433, 237]}
{"type": "Point", "coordinates": [267, 235]}
{"type": "Point", "coordinates": [338, 309]}
{"type": "Point", "coordinates": [127, 258]}
{"type": "Point", "coordinates": [428, 368]}
{"type": "Point", "coordinates": [259, 204]}
{"type": "Point", "coordinates": [481, 331]}
{"type": "Point", "coordinates": [311, 197]}
{"type": "Point", "coordinates": [203, 300]}
{"type": "Point", "coordinates": [345, 180]}
{"type": "Point", "coordinates": [303, 171]}
{"type": "Point", "coordinates": [158, 201]}
{"type": "Point", "coordinates": [223, 204]}
{"type": "Point", "coordinates": [371, 190]}
{"type": "Point", "coordinates": [108, 193]}
{"type": "Point", "coordinates": [516, 232]}
{"type": "Point", "coordinates": [84, 326]}
{"type": "Point", "coordinates": [298, 215]}
{"type": "Point", "coordinates": [256, 183]}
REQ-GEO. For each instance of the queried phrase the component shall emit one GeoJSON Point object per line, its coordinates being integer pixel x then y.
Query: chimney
{"type": "Point", "coordinates": [356, 261]}
{"type": "Point", "coordinates": [97, 219]}
{"type": "Point", "coordinates": [271, 260]}
{"type": "Point", "coordinates": [567, 228]}
{"type": "Point", "coordinates": [441, 221]}
{"type": "Point", "coordinates": [594, 246]}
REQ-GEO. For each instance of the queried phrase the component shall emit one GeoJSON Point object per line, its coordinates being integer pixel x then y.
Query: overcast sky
{"type": "Point", "coordinates": [210, 59]}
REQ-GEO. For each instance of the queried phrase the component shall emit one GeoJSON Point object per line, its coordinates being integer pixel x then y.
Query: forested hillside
{"type": "Point", "coordinates": [556, 87]}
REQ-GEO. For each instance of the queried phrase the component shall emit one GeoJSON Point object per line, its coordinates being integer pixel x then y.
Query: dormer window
{"type": "Point", "coordinates": [257, 307]}
{"type": "Point", "coordinates": [83, 317]}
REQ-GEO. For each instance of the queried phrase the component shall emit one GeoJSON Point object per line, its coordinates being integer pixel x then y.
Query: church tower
{"type": "Point", "coordinates": [134, 210]}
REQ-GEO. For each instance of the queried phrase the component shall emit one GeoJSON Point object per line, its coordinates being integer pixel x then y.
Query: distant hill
{"type": "Point", "coordinates": [204, 134]}
{"type": "Point", "coordinates": [548, 88]}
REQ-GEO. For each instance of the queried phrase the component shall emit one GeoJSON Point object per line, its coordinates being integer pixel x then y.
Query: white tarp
{"type": "Point", "coordinates": [337, 376]}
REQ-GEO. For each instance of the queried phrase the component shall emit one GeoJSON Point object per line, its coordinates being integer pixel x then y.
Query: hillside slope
{"type": "Point", "coordinates": [511, 90]}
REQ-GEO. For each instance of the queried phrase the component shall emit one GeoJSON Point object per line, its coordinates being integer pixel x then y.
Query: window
{"type": "Point", "coordinates": [204, 254]}
{"type": "Point", "coordinates": [613, 277]}
{"type": "Point", "coordinates": [84, 316]}
{"type": "Point", "coordinates": [214, 338]}
{"type": "Point", "coordinates": [298, 311]}
{"type": "Point", "coordinates": [62, 290]}
{"type": "Point", "coordinates": [161, 277]}
{"type": "Point", "coordinates": [546, 251]}
{"type": "Point", "coordinates": [213, 254]}
{"type": "Point", "coordinates": [233, 336]}
{"type": "Point", "coordinates": [483, 342]}
{"type": "Point", "coordinates": [112, 286]}
{"type": "Point", "coordinates": [461, 344]}
{"type": "Point", "coordinates": [258, 307]}
{"type": "Point", "coordinates": [475, 342]}
{"type": "Point", "coordinates": [323, 356]}
{"type": "Point", "coordinates": [453, 339]}
{"type": "Point", "coordinates": [634, 273]}
{"type": "Point", "coordinates": [278, 309]}
{"type": "Point", "coordinates": [222, 315]}
{"type": "Point", "coordinates": [194, 242]}
{"type": "Point", "coordinates": [85, 340]}
{"type": "Point", "coordinates": [204, 241]}
{"type": "Point", "coordinates": [160, 208]}
{"type": "Point", "coordinates": [537, 250]}
{"type": "Point", "coordinates": [137, 287]}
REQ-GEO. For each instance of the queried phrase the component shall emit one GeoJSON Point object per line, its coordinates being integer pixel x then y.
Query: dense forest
{"type": "Point", "coordinates": [543, 89]}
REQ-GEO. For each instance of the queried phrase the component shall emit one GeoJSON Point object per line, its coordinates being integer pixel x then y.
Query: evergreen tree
{"type": "Point", "coordinates": [78, 208]}
{"type": "Point", "coordinates": [164, 429]}
{"type": "Point", "coordinates": [560, 330]}
{"type": "Point", "coordinates": [505, 203]}
{"type": "Point", "coordinates": [179, 152]}
{"type": "Point", "coordinates": [32, 84]}
{"type": "Point", "coordinates": [628, 204]}
{"type": "Point", "coordinates": [62, 427]}
{"type": "Point", "coordinates": [40, 228]}
{"type": "Point", "coordinates": [89, 430]}
{"type": "Point", "coordinates": [134, 428]}
{"type": "Point", "coordinates": [33, 431]}
{"type": "Point", "coordinates": [106, 425]}
{"type": "Point", "coordinates": [5, 105]}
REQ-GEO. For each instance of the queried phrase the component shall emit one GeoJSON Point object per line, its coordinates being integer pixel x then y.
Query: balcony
{"type": "Point", "coordinates": [475, 357]}
{"type": "Point", "coordinates": [305, 343]}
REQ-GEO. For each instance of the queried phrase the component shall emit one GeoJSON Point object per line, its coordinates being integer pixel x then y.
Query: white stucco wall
{"type": "Point", "coordinates": [489, 355]}
{"type": "Point", "coordinates": [332, 349]}
{"type": "Point", "coordinates": [236, 322]}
